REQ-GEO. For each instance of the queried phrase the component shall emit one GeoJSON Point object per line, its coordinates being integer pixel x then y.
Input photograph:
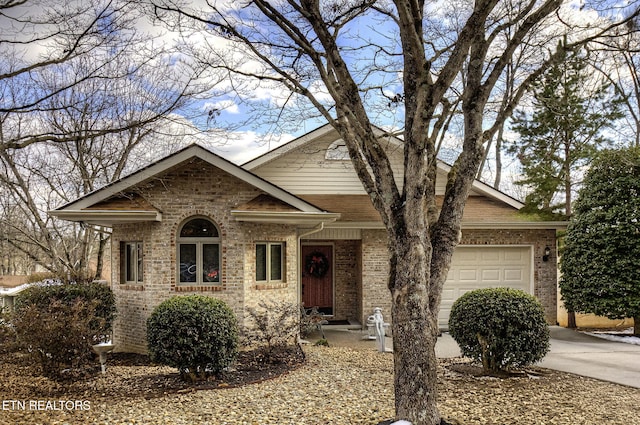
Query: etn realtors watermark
{"type": "Point", "coordinates": [45, 405]}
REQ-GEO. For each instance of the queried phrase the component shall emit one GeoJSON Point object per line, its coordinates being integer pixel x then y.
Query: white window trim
{"type": "Point", "coordinates": [283, 262]}
{"type": "Point", "coordinates": [138, 252]}
{"type": "Point", "coordinates": [199, 242]}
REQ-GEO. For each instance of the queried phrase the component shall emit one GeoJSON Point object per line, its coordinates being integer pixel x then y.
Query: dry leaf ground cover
{"type": "Point", "coordinates": [336, 385]}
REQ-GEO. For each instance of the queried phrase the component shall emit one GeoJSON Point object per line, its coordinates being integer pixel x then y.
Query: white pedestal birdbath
{"type": "Point", "coordinates": [102, 349]}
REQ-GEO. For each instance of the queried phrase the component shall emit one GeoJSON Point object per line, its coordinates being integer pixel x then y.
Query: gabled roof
{"type": "Point", "coordinates": [88, 208]}
{"type": "Point", "coordinates": [486, 190]}
{"type": "Point", "coordinates": [118, 203]}
{"type": "Point", "coordinates": [478, 186]}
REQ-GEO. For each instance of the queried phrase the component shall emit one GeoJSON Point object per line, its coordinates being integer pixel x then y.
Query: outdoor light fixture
{"type": "Point", "coordinates": [547, 252]}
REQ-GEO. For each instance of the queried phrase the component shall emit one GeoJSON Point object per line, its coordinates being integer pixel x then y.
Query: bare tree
{"type": "Point", "coordinates": [618, 61]}
{"type": "Point", "coordinates": [51, 47]}
{"type": "Point", "coordinates": [12, 262]}
{"type": "Point", "coordinates": [43, 175]}
{"type": "Point", "coordinates": [76, 115]}
{"type": "Point", "coordinates": [336, 55]}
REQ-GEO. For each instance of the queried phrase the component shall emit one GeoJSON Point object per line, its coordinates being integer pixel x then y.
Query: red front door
{"type": "Point", "coordinates": [317, 277]}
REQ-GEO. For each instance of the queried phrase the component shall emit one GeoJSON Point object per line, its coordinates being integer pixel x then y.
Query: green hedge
{"type": "Point", "coordinates": [194, 333]}
{"type": "Point", "coordinates": [501, 327]}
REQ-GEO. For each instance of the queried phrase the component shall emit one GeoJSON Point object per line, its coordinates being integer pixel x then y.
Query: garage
{"type": "Point", "coordinates": [475, 267]}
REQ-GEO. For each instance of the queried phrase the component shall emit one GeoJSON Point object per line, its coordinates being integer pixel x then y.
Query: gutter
{"type": "Point", "coordinates": [319, 228]}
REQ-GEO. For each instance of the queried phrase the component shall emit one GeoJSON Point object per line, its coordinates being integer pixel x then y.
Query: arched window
{"type": "Point", "coordinates": [198, 252]}
{"type": "Point", "coordinates": [337, 151]}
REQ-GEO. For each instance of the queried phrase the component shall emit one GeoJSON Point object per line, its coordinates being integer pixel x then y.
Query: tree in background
{"type": "Point", "coordinates": [619, 64]}
{"type": "Point", "coordinates": [562, 134]}
{"type": "Point", "coordinates": [85, 96]}
{"type": "Point", "coordinates": [601, 260]}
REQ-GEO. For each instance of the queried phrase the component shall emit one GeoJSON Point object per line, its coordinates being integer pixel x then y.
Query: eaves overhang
{"type": "Point", "coordinates": [558, 225]}
{"type": "Point", "coordinates": [193, 151]}
{"type": "Point", "coordinates": [535, 225]}
{"type": "Point", "coordinates": [107, 217]}
{"type": "Point", "coordinates": [289, 217]}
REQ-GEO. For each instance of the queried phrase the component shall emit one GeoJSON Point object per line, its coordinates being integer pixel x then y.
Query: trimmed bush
{"type": "Point", "coordinates": [501, 327]}
{"type": "Point", "coordinates": [196, 334]}
{"type": "Point", "coordinates": [58, 324]}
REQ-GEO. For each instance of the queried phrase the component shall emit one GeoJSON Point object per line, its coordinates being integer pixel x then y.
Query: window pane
{"type": "Point", "coordinates": [130, 262]}
{"type": "Point", "coordinates": [188, 268]}
{"type": "Point", "coordinates": [276, 261]}
{"type": "Point", "coordinates": [261, 262]}
{"type": "Point", "coordinates": [199, 228]}
{"type": "Point", "coordinates": [211, 263]}
{"type": "Point", "coordinates": [139, 259]}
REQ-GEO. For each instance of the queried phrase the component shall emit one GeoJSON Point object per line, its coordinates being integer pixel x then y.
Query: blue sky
{"type": "Point", "coordinates": [247, 140]}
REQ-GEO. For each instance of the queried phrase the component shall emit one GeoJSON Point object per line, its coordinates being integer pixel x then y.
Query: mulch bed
{"type": "Point", "coordinates": [332, 386]}
{"type": "Point", "coordinates": [251, 366]}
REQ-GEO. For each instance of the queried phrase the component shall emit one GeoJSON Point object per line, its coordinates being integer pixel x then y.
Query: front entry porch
{"type": "Point", "coordinates": [331, 279]}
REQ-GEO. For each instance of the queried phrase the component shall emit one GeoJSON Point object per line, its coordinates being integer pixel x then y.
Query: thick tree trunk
{"type": "Point", "coordinates": [636, 326]}
{"type": "Point", "coordinates": [102, 245]}
{"type": "Point", "coordinates": [571, 320]}
{"type": "Point", "coordinates": [415, 333]}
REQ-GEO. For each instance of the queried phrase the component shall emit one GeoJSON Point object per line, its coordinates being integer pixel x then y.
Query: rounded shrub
{"type": "Point", "coordinates": [501, 327]}
{"type": "Point", "coordinates": [57, 323]}
{"type": "Point", "coordinates": [196, 334]}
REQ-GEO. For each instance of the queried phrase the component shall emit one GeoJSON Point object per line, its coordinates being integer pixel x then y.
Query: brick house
{"type": "Point", "coordinates": [294, 224]}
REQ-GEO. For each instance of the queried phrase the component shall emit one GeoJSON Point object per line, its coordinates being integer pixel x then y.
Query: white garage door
{"type": "Point", "coordinates": [485, 267]}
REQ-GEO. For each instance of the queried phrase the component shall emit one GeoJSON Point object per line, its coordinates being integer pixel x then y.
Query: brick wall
{"type": "Point", "coordinates": [195, 189]}
{"type": "Point", "coordinates": [375, 267]}
{"type": "Point", "coordinates": [375, 274]}
{"type": "Point", "coordinates": [347, 279]}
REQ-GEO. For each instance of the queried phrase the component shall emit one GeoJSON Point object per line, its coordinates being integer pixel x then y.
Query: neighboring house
{"type": "Point", "coordinates": [10, 287]}
{"type": "Point", "coordinates": [295, 225]}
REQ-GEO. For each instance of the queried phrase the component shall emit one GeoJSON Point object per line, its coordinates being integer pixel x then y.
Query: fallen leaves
{"type": "Point", "coordinates": [337, 386]}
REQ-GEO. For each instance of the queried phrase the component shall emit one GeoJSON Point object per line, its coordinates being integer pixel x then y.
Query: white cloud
{"type": "Point", "coordinates": [228, 106]}
{"type": "Point", "coordinates": [245, 145]}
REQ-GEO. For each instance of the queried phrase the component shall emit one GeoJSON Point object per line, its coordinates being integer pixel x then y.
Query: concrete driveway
{"type": "Point", "coordinates": [580, 354]}
{"type": "Point", "coordinates": [594, 357]}
{"type": "Point", "coordinates": [570, 351]}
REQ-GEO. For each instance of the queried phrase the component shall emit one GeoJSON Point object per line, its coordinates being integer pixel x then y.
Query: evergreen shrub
{"type": "Point", "coordinates": [501, 327]}
{"type": "Point", "coordinates": [196, 334]}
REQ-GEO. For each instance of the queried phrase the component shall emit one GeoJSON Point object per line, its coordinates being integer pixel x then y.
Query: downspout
{"type": "Point", "coordinates": [319, 228]}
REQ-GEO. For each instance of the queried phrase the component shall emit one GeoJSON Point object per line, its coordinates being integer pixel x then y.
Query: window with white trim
{"type": "Point", "coordinates": [131, 266]}
{"type": "Point", "coordinates": [198, 252]}
{"type": "Point", "coordinates": [270, 261]}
